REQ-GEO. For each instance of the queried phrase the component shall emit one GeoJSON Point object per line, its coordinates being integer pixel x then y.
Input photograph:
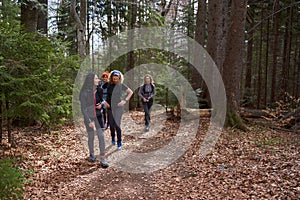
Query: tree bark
{"type": "Point", "coordinates": [248, 79]}
{"type": "Point", "coordinates": [260, 62]}
{"type": "Point", "coordinates": [217, 25]}
{"type": "Point", "coordinates": [200, 33]}
{"type": "Point", "coordinates": [234, 62]}
{"type": "Point", "coordinates": [217, 29]}
{"type": "Point", "coordinates": [1, 121]}
{"type": "Point", "coordinates": [132, 22]}
{"type": "Point", "coordinates": [285, 60]}
{"type": "Point", "coordinates": [80, 26]}
{"type": "Point", "coordinates": [267, 63]}
{"type": "Point", "coordinates": [42, 23]}
{"type": "Point", "coordinates": [8, 119]}
{"type": "Point", "coordinates": [29, 16]}
{"type": "Point", "coordinates": [275, 50]}
{"type": "Point", "coordinates": [298, 76]}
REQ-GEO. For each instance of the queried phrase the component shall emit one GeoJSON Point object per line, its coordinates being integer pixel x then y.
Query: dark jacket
{"type": "Point", "coordinates": [143, 94]}
{"type": "Point", "coordinates": [99, 99]}
{"type": "Point", "coordinates": [87, 105]}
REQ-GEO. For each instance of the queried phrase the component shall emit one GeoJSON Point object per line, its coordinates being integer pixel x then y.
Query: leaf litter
{"type": "Point", "coordinates": [259, 164]}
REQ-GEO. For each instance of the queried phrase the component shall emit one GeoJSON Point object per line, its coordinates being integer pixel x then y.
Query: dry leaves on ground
{"type": "Point", "coordinates": [259, 164]}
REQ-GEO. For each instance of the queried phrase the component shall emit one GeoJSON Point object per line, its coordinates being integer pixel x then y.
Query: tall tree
{"type": "Point", "coordinates": [275, 52]}
{"type": "Point", "coordinates": [42, 23]}
{"type": "Point", "coordinates": [200, 34]}
{"type": "Point", "coordinates": [259, 64]}
{"type": "Point", "coordinates": [217, 25]}
{"type": "Point", "coordinates": [286, 53]}
{"type": "Point", "coordinates": [29, 15]}
{"type": "Point", "coordinates": [131, 25]}
{"type": "Point", "coordinates": [232, 69]}
{"type": "Point", "coordinates": [80, 21]}
{"type": "Point", "coordinates": [248, 79]}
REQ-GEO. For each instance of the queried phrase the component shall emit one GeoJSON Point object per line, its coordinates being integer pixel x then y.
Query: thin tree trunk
{"type": "Point", "coordinates": [1, 121]}
{"type": "Point", "coordinates": [267, 63]}
{"type": "Point", "coordinates": [298, 77]}
{"type": "Point", "coordinates": [289, 46]}
{"type": "Point", "coordinates": [132, 21]}
{"type": "Point", "coordinates": [80, 26]}
{"type": "Point", "coordinates": [248, 79]}
{"type": "Point", "coordinates": [260, 62]}
{"type": "Point", "coordinates": [234, 62]}
{"type": "Point", "coordinates": [275, 51]}
{"type": "Point", "coordinates": [10, 136]}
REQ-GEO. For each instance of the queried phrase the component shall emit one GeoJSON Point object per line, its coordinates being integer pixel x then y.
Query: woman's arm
{"type": "Point", "coordinates": [141, 93]}
{"type": "Point", "coordinates": [129, 94]}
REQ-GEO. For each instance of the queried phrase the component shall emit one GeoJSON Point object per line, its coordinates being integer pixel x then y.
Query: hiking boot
{"type": "Point", "coordinates": [147, 128]}
{"type": "Point", "coordinates": [119, 145]}
{"type": "Point", "coordinates": [92, 158]}
{"type": "Point", "coordinates": [104, 163]}
{"type": "Point", "coordinates": [113, 141]}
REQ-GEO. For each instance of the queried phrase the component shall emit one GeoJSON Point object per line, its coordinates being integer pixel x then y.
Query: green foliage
{"type": "Point", "coordinates": [11, 180]}
{"type": "Point", "coordinates": [36, 76]}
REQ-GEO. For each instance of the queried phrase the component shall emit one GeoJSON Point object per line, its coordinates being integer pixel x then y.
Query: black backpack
{"type": "Point", "coordinates": [144, 86]}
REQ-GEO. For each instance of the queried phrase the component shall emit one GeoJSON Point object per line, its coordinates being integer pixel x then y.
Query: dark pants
{"type": "Point", "coordinates": [105, 116]}
{"type": "Point", "coordinates": [147, 109]}
{"type": "Point", "coordinates": [114, 118]}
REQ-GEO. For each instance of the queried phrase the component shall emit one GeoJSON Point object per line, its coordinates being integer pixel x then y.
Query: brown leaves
{"type": "Point", "coordinates": [259, 164]}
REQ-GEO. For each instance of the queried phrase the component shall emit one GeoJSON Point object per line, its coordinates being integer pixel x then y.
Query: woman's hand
{"type": "Point", "coordinates": [98, 106]}
{"type": "Point", "coordinates": [122, 103]}
{"type": "Point", "coordinates": [106, 104]}
{"type": "Point", "coordinates": [92, 125]}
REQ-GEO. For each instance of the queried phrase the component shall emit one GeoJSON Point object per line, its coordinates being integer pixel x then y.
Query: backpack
{"type": "Point", "coordinates": [144, 86]}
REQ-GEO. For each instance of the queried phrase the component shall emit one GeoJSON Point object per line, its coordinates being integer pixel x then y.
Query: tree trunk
{"type": "Point", "coordinates": [298, 77]}
{"type": "Point", "coordinates": [29, 16]}
{"type": "Point", "coordinates": [8, 121]}
{"type": "Point", "coordinates": [260, 62]}
{"type": "Point", "coordinates": [200, 33]}
{"type": "Point", "coordinates": [217, 25]}
{"type": "Point", "coordinates": [234, 62]}
{"type": "Point", "coordinates": [80, 26]}
{"type": "Point", "coordinates": [1, 120]}
{"type": "Point", "coordinates": [275, 50]}
{"type": "Point", "coordinates": [267, 63]}
{"type": "Point", "coordinates": [42, 23]}
{"type": "Point", "coordinates": [248, 79]}
{"type": "Point", "coordinates": [132, 21]}
{"type": "Point", "coordinates": [285, 58]}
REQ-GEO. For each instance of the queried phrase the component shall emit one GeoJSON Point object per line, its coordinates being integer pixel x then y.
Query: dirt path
{"type": "Point", "coordinates": [260, 164]}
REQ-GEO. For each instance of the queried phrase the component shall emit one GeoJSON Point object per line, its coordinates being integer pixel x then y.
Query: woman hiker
{"type": "Point", "coordinates": [115, 107]}
{"type": "Point", "coordinates": [103, 84]}
{"type": "Point", "coordinates": [147, 92]}
{"type": "Point", "coordinates": [90, 108]}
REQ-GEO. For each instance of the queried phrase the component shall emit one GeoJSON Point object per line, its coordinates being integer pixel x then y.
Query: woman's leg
{"type": "Point", "coordinates": [150, 103]}
{"type": "Point", "coordinates": [100, 133]}
{"type": "Point", "coordinates": [112, 126]}
{"type": "Point", "coordinates": [91, 135]}
{"type": "Point", "coordinates": [118, 112]}
{"type": "Point", "coordinates": [146, 111]}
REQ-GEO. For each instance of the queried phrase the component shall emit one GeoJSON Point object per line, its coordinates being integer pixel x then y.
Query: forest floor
{"type": "Point", "coordinates": [259, 164]}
